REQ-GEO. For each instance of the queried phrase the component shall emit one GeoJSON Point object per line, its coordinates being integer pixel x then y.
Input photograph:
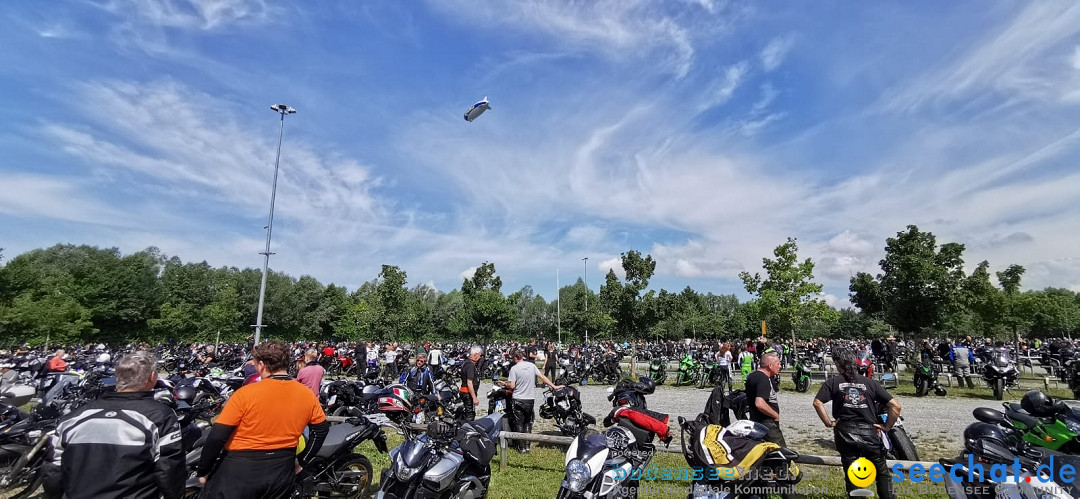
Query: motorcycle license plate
{"type": "Point", "coordinates": [333, 398]}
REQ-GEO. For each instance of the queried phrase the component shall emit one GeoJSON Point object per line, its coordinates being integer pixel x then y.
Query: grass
{"type": "Point", "coordinates": [539, 474]}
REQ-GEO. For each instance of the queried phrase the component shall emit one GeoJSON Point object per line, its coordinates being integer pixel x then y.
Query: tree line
{"type": "Point", "coordinates": [72, 294]}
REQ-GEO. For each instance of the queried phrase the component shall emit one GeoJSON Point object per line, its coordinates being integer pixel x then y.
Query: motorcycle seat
{"type": "Point", "coordinates": [335, 438]}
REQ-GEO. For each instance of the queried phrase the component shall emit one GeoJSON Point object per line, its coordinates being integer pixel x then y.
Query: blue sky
{"type": "Point", "coordinates": [701, 132]}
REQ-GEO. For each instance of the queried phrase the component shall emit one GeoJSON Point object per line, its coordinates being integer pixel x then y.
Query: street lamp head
{"type": "Point", "coordinates": [283, 109]}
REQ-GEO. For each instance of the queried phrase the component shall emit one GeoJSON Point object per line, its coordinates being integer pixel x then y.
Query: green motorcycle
{"type": "Point", "coordinates": [689, 371]}
{"type": "Point", "coordinates": [1046, 422]}
{"type": "Point", "coordinates": [801, 376]}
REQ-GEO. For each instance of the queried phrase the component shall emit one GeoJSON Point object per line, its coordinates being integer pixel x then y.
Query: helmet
{"type": "Point", "coordinates": [164, 397]}
{"type": "Point", "coordinates": [979, 431]}
{"type": "Point", "coordinates": [103, 358]}
{"type": "Point", "coordinates": [395, 398]}
{"type": "Point", "coordinates": [647, 385]}
{"type": "Point", "coordinates": [748, 429]}
{"type": "Point", "coordinates": [1037, 403]}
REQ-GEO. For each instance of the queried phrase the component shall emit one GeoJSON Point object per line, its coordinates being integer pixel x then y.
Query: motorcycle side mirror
{"type": "Point", "coordinates": [988, 415]}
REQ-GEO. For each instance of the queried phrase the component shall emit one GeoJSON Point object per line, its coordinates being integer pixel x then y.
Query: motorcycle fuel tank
{"type": "Point", "coordinates": [441, 474]}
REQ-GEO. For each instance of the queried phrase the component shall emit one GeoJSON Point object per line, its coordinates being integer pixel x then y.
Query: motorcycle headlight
{"type": "Point", "coordinates": [405, 473]}
{"type": "Point", "coordinates": [577, 475]}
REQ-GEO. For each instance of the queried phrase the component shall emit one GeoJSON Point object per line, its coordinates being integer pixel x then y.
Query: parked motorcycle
{"type": "Point", "coordinates": [993, 440]}
{"type": "Point", "coordinates": [564, 406]}
{"type": "Point", "coordinates": [1000, 374]}
{"type": "Point", "coordinates": [801, 376]}
{"type": "Point", "coordinates": [658, 369]}
{"type": "Point", "coordinates": [610, 464]}
{"type": "Point", "coordinates": [337, 470]}
{"type": "Point", "coordinates": [689, 371]}
{"type": "Point", "coordinates": [734, 458]}
{"type": "Point", "coordinates": [1046, 422]}
{"type": "Point", "coordinates": [445, 461]}
{"type": "Point", "coordinates": [926, 377]}
{"type": "Point", "coordinates": [23, 448]}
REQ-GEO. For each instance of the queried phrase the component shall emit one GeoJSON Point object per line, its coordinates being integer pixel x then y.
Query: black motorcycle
{"type": "Point", "coordinates": [23, 448]}
{"type": "Point", "coordinates": [564, 406]}
{"type": "Point", "coordinates": [1000, 373]}
{"type": "Point", "coordinates": [442, 462]}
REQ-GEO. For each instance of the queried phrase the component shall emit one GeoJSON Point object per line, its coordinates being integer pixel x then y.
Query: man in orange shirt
{"type": "Point", "coordinates": [260, 427]}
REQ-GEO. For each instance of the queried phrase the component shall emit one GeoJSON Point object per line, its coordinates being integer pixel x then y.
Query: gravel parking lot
{"type": "Point", "coordinates": [936, 424]}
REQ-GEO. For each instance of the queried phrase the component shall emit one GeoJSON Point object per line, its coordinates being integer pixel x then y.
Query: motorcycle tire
{"type": "Point", "coordinates": [701, 381]}
{"type": "Point", "coordinates": [903, 447]}
{"type": "Point", "coordinates": [999, 389]}
{"type": "Point", "coordinates": [921, 388]}
{"type": "Point", "coordinates": [359, 485]}
{"type": "Point", "coordinates": [803, 384]}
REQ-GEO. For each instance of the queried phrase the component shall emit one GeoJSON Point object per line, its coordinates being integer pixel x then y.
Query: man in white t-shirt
{"type": "Point", "coordinates": [522, 380]}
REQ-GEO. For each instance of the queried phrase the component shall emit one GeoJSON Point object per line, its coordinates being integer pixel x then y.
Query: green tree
{"type": "Point", "coordinates": [624, 301]}
{"type": "Point", "coordinates": [917, 284]}
{"type": "Point", "coordinates": [487, 313]}
{"type": "Point", "coordinates": [787, 294]}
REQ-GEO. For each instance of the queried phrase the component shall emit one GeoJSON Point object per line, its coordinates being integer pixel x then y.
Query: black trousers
{"type": "Point", "coordinates": [253, 474]}
{"type": "Point", "coordinates": [775, 435]}
{"type": "Point", "coordinates": [861, 439]}
{"type": "Point", "coordinates": [468, 411]}
{"type": "Point", "coordinates": [522, 419]}
{"type": "Point", "coordinates": [550, 371]}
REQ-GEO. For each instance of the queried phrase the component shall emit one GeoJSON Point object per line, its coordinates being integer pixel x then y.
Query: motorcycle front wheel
{"type": "Point", "coordinates": [999, 389]}
{"type": "Point", "coordinates": [803, 384]}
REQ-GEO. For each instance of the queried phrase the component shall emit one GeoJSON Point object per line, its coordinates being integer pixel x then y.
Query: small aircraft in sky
{"type": "Point", "coordinates": [477, 109]}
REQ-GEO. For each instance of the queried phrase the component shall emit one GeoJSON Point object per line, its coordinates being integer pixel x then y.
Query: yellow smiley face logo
{"type": "Point", "coordinates": [862, 472]}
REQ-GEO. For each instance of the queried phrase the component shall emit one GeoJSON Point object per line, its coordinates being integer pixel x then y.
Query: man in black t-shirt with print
{"type": "Point", "coordinates": [857, 403]}
{"type": "Point", "coordinates": [761, 396]}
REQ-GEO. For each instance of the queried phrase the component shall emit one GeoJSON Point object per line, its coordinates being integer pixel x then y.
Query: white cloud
{"type": "Point", "coordinates": [1010, 62]}
{"type": "Point", "coordinates": [612, 264]}
{"type": "Point", "coordinates": [847, 242]}
{"type": "Point", "coordinates": [31, 196]}
{"type": "Point", "coordinates": [773, 54]}
{"type": "Point", "coordinates": [617, 29]}
{"type": "Point", "coordinates": [191, 14]}
{"type": "Point", "coordinates": [586, 236]}
{"type": "Point", "coordinates": [724, 87]}
{"type": "Point", "coordinates": [694, 259]}
{"type": "Point", "coordinates": [467, 273]}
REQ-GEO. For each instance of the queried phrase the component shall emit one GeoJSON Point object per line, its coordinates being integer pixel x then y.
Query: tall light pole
{"type": "Point", "coordinates": [586, 281]}
{"type": "Point", "coordinates": [281, 109]}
